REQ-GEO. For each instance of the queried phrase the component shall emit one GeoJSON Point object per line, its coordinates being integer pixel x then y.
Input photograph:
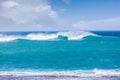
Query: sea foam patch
{"type": "Point", "coordinates": [78, 73]}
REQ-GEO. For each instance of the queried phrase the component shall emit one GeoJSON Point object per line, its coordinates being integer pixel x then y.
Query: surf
{"type": "Point", "coordinates": [85, 74]}
{"type": "Point", "coordinates": [47, 36]}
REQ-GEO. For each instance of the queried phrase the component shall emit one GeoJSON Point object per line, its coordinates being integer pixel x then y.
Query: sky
{"type": "Point", "coordinates": [59, 15]}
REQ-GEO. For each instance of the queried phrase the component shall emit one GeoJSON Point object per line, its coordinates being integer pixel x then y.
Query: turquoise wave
{"type": "Point", "coordinates": [101, 52]}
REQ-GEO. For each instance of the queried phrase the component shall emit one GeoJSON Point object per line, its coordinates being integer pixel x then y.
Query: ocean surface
{"type": "Point", "coordinates": [67, 55]}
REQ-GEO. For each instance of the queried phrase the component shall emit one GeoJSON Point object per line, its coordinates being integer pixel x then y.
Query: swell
{"type": "Point", "coordinates": [47, 36]}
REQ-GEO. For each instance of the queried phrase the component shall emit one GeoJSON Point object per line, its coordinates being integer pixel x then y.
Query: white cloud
{"type": "Point", "coordinates": [67, 1]}
{"type": "Point", "coordinates": [105, 24]}
{"type": "Point", "coordinates": [9, 4]}
{"type": "Point", "coordinates": [27, 11]}
{"type": "Point", "coordinates": [39, 15]}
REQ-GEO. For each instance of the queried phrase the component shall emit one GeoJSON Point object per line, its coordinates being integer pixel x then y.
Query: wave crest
{"type": "Point", "coordinates": [76, 35]}
{"type": "Point", "coordinates": [5, 38]}
{"type": "Point", "coordinates": [40, 36]}
{"type": "Point", "coordinates": [48, 36]}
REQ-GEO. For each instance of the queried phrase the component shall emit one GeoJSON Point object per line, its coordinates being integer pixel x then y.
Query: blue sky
{"type": "Point", "coordinates": [52, 15]}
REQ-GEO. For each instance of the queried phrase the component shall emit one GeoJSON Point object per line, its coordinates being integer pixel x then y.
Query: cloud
{"type": "Point", "coordinates": [9, 4]}
{"type": "Point", "coordinates": [24, 11]}
{"type": "Point", "coordinates": [104, 24]}
{"type": "Point", "coordinates": [33, 15]}
{"type": "Point", "coordinates": [67, 1]}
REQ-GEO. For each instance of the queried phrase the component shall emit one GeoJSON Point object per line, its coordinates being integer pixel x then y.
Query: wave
{"type": "Point", "coordinates": [48, 36]}
{"type": "Point", "coordinates": [5, 38]}
{"type": "Point", "coordinates": [79, 73]}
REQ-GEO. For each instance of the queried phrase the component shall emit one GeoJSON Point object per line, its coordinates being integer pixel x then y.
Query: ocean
{"type": "Point", "coordinates": [65, 55]}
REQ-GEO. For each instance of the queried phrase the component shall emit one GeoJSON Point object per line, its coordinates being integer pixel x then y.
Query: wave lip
{"type": "Point", "coordinates": [48, 36]}
{"type": "Point", "coordinates": [76, 35]}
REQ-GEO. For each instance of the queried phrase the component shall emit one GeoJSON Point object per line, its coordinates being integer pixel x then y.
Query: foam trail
{"type": "Point", "coordinates": [79, 73]}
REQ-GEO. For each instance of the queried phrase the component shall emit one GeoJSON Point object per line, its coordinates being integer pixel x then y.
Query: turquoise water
{"type": "Point", "coordinates": [88, 53]}
{"type": "Point", "coordinates": [70, 52]}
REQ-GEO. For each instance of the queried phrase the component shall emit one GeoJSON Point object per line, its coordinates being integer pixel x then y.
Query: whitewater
{"type": "Point", "coordinates": [47, 36]}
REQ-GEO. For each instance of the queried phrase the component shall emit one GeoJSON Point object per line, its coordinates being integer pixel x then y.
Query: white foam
{"type": "Point", "coordinates": [5, 38]}
{"type": "Point", "coordinates": [44, 36]}
{"type": "Point", "coordinates": [106, 72]}
{"type": "Point", "coordinates": [41, 36]}
{"type": "Point", "coordinates": [79, 73]}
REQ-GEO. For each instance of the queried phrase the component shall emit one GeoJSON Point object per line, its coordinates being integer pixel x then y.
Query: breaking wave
{"type": "Point", "coordinates": [47, 36]}
{"type": "Point", "coordinates": [6, 38]}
